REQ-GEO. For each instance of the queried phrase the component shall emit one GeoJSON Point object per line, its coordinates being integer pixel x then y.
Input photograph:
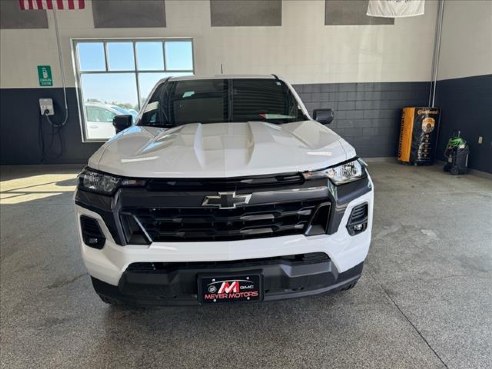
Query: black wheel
{"type": "Point", "coordinates": [455, 170]}
{"type": "Point", "coordinates": [109, 300]}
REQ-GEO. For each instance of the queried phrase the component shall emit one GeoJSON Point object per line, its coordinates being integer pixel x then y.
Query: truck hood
{"type": "Point", "coordinates": [221, 150]}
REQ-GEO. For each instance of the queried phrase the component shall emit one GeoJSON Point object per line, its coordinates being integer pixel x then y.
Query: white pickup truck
{"type": "Point", "coordinates": [223, 190]}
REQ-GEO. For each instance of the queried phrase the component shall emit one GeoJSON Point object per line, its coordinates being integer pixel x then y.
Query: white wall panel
{"type": "Point", "coordinates": [466, 48]}
{"type": "Point", "coordinates": [303, 49]}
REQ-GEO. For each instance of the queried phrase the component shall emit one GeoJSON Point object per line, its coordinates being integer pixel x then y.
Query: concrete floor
{"type": "Point", "coordinates": [424, 300]}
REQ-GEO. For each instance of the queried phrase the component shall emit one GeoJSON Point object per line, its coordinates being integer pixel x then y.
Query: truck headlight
{"type": "Point", "coordinates": [340, 174]}
{"type": "Point", "coordinates": [106, 184]}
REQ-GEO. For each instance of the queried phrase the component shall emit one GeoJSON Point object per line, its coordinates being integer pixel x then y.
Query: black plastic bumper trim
{"type": "Point", "coordinates": [180, 287]}
{"type": "Point", "coordinates": [341, 196]}
{"type": "Point", "coordinates": [104, 206]}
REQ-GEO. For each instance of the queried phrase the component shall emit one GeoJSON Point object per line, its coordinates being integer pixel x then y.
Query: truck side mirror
{"type": "Point", "coordinates": [122, 122]}
{"type": "Point", "coordinates": [324, 116]}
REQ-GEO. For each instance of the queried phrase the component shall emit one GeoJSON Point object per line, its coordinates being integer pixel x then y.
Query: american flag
{"type": "Point", "coordinates": [51, 4]}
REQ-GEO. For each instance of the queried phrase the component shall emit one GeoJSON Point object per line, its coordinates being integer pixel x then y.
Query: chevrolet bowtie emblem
{"type": "Point", "coordinates": [226, 200]}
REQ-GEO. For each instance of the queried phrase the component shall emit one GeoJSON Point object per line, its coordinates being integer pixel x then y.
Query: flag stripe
{"type": "Point", "coordinates": [51, 4]}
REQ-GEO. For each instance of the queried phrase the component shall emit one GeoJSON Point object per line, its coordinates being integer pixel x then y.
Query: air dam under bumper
{"type": "Point", "coordinates": [147, 284]}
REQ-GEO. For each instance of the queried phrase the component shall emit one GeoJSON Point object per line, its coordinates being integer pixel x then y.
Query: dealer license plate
{"type": "Point", "coordinates": [230, 288]}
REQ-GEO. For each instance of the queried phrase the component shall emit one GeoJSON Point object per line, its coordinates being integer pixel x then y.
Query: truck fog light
{"type": "Point", "coordinates": [358, 219]}
{"type": "Point", "coordinates": [91, 232]}
{"type": "Point", "coordinates": [358, 227]}
{"type": "Point", "coordinates": [93, 241]}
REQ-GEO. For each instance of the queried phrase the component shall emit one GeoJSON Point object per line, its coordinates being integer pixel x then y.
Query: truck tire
{"type": "Point", "coordinates": [109, 300]}
{"type": "Point", "coordinates": [455, 170]}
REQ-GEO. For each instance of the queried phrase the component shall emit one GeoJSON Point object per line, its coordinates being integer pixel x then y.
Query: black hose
{"type": "Point", "coordinates": [47, 151]}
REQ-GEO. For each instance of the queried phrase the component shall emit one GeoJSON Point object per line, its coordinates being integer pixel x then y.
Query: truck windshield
{"type": "Point", "coordinates": [176, 103]}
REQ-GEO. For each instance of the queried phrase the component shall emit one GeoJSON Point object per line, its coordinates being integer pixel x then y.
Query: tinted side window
{"type": "Point", "coordinates": [99, 114]}
{"type": "Point", "coordinates": [91, 113]}
{"type": "Point", "coordinates": [106, 115]}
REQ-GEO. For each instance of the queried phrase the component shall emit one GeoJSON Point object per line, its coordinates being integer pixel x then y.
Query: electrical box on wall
{"type": "Point", "coordinates": [46, 106]}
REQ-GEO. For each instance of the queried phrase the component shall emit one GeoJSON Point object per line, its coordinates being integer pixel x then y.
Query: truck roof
{"type": "Point", "coordinates": [223, 76]}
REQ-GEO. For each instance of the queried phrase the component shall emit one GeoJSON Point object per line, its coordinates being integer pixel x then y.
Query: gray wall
{"type": "Point", "coordinates": [351, 12]}
{"type": "Point", "coordinates": [234, 13]}
{"type": "Point", "coordinates": [366, 114]}
{"type": "Point", "coordinates": [12, 17]}
{"type": "Point", "coordinates": [223, 13]}
{"type": "Point", "coordinates": [20, 127]}
{"type": "Point", "coordinates": [129, 13]}
{"type": "Point", "coordinates": [466, 105]}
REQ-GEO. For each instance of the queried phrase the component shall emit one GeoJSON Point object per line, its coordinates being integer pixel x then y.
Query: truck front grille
{"type": "Point", "coordinates": [213, 224]}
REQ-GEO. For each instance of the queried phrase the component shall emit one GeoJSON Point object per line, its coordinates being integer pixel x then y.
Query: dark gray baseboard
{"type": "Point", "coordinates": [20, 122]}
{"type": "Point", "coordinates": [367, 115]}
{"type": "Point", "coordinates": [466, 106]}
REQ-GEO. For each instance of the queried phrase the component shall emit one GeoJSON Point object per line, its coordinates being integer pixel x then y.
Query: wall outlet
{"type": "Point", "coordinates": [480, 139]}
{"type": "Point", "coordinates": [46, 105]}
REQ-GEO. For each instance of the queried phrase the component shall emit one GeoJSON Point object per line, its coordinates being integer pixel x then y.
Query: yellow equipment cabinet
{"type": "Point", "coordinates": [418, 135]}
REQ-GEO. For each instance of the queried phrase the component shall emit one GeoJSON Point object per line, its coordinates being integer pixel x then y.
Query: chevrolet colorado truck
{"type": "Point", "coordinates": [223, 190]}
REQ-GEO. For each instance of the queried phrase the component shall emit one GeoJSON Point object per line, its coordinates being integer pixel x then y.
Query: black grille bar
{"type": "Point", "coordinates": [213, 224]}
{"type": "Point", "coordinates": [224, 184]}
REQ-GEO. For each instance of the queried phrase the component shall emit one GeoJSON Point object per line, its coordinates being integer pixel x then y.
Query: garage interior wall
{"type": "Point", "coordinates": [464, 89]}
{"type": "Point", "coordinates": [366, 73]}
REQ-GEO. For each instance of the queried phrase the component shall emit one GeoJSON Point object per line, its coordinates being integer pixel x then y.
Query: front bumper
{"type": "Point", "coordinates": [281, 280]}
{"type": "Point", "coordinates": [110, 263]}
{"type": "Point", "coordinates": [108, 266]}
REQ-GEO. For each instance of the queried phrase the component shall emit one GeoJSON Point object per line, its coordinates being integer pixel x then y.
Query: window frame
{"type": "Point", "coordinates": [78, 72]}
